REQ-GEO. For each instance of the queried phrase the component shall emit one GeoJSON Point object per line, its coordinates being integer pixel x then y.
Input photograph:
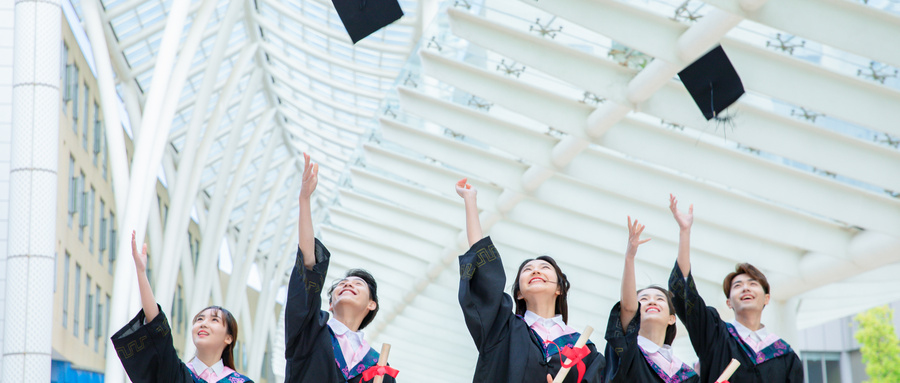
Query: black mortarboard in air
{"type": "Point", "coordinates": [364, 17]}
{"type": "Point", "coordinates": [712, 82]}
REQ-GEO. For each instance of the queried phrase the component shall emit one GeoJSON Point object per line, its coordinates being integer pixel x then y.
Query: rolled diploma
{"type": "Point", "coordinates": [382, 361]}
{"type": "Point", "coordinates": [582, 340]}
{"type": "Point", "coordinates": [732, 367]}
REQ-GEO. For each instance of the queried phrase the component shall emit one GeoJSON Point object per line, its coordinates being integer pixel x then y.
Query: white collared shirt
{"type": "Point", "coordinates": [547, 328]}
{"type": "Point", "coordinates": [199, 367]}
{"type": "Point", "coordinates": [650, 347]}
{"type": "Point", "coordinates": [530, 318]}
{"type": "Point", "coordinates": [744, 332]}
{"type": "Point", "coordinates": [353, 344]}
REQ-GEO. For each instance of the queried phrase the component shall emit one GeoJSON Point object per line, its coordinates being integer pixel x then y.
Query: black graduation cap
{"type": "Point", "coordinates": [364, 17]}
{"type": "Point", "coordinates": [712, 82]}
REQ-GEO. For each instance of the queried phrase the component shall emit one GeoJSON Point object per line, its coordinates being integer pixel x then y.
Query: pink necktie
{"type": "Point", "coordinates": [208, 373]}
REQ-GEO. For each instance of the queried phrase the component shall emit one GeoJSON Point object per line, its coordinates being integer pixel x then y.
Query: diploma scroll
{"type": "Point", "coordinates": [582, 340]}
{"type": "Point", "coordinates": [732, 367]}
{"type": "Point", "coordinates": [382, 360]}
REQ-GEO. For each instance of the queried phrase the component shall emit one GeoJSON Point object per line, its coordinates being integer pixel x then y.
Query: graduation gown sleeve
{"type": "Point", "coordinates": [716, 342]}
{"type": "Point", "coordinates": [486, 308]}
{"type": "Point", "coordinates": [304, 320]}
{"type": "Point", "coordinates": [147, 352]}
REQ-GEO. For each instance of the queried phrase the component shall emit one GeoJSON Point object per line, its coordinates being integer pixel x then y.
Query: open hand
{"type": "Point", "coordinates": [634, 237]}
{"type": "Point", "coordinates": [685, 220]}
{"type": "Point", "coordinates": [310, 178]}
{"type": "Point", "coordinates": [465, 190]}
{"type": "Point", "coordinates": [140, 259]}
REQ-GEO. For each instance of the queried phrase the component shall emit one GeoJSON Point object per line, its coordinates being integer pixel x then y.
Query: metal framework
{"type": "Point", "coordinates": [574, 135]}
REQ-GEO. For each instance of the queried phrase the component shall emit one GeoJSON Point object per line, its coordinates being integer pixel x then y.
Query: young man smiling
{"type": "Point", "coordinates": [764, 356]}
{"type": "Point", "coordinates": [319, 349]}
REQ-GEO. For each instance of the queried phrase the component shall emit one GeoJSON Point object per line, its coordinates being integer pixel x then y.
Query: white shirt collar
{"type": "Point", "coordinates": [745, 332]}
{"type": "Point", "coordinates": [199, 366]}
{"type": "Point", "coordinates": [652, 348]}
{"type": "Point", "coordinates": [530, 318]}
{"type": "Point", "coordinates": [355, 337]}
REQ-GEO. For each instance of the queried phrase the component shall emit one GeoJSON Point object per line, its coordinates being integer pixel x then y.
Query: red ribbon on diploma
{"type": "Point", "coordinates": [371, 372]}
{"type": "Point", "coordinates": [575, 356]}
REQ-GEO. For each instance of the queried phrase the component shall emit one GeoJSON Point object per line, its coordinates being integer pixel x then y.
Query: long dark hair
{"type": "Point", "coordinates": [562, 307]}
{"type": "Point", "coordinates": [231, 327]}
{"type": "Point", "coordinates": [672, 328]}
{"type": "Point", "coordinates": [373, 292]}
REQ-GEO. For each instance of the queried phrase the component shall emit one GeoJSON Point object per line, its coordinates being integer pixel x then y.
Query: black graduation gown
{"type": "Point", "coordinates": [148, 355]}
{"type": "Point", "coordinates": [508, 350]}
{"type": "Point", "coordinates": [626, 361]}
{"type": "Point", "coordinates": [716, 342]}
{"type": "Point", "coordinates": [311, 349]}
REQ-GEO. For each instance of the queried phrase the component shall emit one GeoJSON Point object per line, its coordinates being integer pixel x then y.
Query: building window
{"type": "Point", "coordinates": [73, 190]}
{"type": "Point", "coordinates": [112, 241]}
{"type": "Point", "coordinates": [73, 94]}
{"type": "Point", "coordinates": [77, 297]}
{"type": "Point", "coordinates": [88, 311]}
{"type": "Point", "coordinates": [90, 215]}
{"type": "Point", "coordinates": [822, 367]}
{"type": "Point", "coordinates": [179, 310]}
{"type": "Point", "coordinates": [98, 332]}
{"type": "Point", "coordinates": [82, 207]}
{"type": "Point", "coordinates": [102, 241]}
{"type": "Point", "coordinates": [98, 138]}
{"type": "Point", "coordinates": [65, 297]}
{"type": "Point", "coordinates": [196, 252]}
{"type": "Point", "coordinates": [106, 325]}
{"type": "Point", "coordinates": [63, 71]}
{"type": "Point", "coordinates": [191, 243]}
{"type": "Point", "coordinates": [84, 135]}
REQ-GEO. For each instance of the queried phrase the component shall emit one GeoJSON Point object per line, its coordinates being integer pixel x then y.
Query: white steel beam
{"type": "Point", "coordinates": [644, 183]}
{"type": "Point", "coordinates": [863, 28]}
{"type": "Point", "coordinates": [190, 169]}
{"type": "Point", "coordinates": [658, 145]}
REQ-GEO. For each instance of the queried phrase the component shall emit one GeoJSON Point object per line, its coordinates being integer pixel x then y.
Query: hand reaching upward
{"type": "Point", "coordinates": [310, 178]}
{"type": "Point", "coordinates": [685, 220]}
{"type": "Point", "coordinates": [140, 259]}
{"type": "Point", "coordinates": [465, 190]}
{"type": "Point", "coordinates": [634, 237]}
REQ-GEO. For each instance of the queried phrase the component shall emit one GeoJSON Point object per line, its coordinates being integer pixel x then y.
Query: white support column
{"type": "Point", "coordinates": [148, 151]}
{"type": "Point", "coordinates": [118, 160]}
{"type": "Point", "coordinates": [32, 192]}
{"type": "Point", "coordinates": [7, 24]}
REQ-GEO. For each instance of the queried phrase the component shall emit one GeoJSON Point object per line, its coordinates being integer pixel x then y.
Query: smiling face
{"type": "Point", "coordinates": [210, 330]}
{"type": "Point", "coordinates": [747, 293]}
{"type": "Point", "coordinates": [537, 278]}
{"type": "Point", "coordinates": [657, 311]}
{"type": "Point", "coordinates": [352, 292]}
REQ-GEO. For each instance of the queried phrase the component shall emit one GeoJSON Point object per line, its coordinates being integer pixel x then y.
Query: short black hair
{"type": "Point", "coordinates": [373, 292]}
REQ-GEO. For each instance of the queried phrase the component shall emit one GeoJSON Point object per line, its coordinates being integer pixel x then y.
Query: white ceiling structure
{"type": "Point", "coordinates": [566, 114]}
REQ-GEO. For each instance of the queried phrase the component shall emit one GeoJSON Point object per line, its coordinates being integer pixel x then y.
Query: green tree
{"type": "Point", "coordinates": [879, 345]}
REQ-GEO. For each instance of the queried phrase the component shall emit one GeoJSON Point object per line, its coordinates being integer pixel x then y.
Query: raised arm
{"type": "Point", "coordinates": [629, 290]}
{"type": "Point", "coordinates": [473, 224]}
{"type": "Point", "coordinates": [685, 220]}
{"type": "Point", "coordinates": [307, 236]}
{"type": "Point", "coordinates": [148, 302]}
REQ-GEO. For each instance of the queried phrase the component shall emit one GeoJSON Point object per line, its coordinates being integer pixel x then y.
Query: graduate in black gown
{"type": "Point", "coordinates": [319, 349]}
{"type": "Point", "coordinates": [764, 357]}
{"type": "Point", "coordinates": [642, 351]}
{"type": "Point", "coordinates": [524, 346]}
{"type": "Point", "coordinates": [145, 346]}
